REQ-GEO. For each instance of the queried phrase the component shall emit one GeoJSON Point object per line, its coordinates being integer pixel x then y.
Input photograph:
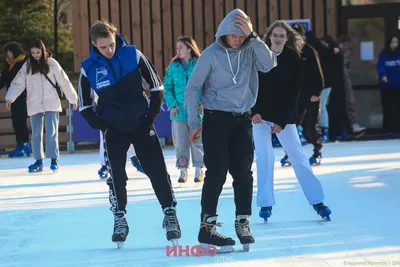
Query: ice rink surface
{"type": "Point", "coordinates": [64, 219]}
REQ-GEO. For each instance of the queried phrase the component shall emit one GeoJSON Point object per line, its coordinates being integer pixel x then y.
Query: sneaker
{"type": "Point", "coordinates": [358, 129]}
{"type": "Point", "coordinates": [184, 176]}
{"type": "Point", "coordinates": [199, 175]}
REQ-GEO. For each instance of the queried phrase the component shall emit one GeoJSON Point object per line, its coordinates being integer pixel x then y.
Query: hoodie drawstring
{"type": "Point", "coordinates": [230, 66]}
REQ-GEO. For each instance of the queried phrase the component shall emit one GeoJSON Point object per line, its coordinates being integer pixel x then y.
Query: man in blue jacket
{"type": "Point", "coordinates": [112, 99]}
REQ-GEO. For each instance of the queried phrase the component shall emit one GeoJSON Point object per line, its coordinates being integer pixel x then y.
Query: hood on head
{"type": "Point", "coordinates": [227, 26]}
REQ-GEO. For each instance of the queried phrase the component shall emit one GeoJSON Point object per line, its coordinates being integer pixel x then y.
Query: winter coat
{"type": "Point", "coordinates": [175, 81]}
{"type": "Point", "coordinates": [41, 94]}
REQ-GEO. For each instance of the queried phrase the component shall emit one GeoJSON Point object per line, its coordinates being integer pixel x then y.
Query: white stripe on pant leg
{"type": "Point", "coordinates": [131, 151]}
{"type": "Point", "coordinates": [101, 153]}
{"type": "Point", "coordinates": [108, 164]}
{"type": "Point", "coordinates": [310, 184]}
{"type": "Point", "coordinates": [265, 159]}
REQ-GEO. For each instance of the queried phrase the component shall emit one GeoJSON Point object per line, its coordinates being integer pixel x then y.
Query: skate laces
{"type": "Point", "coordinates": [170, 222]}
{"type": "Point", "coordinates": [214, 231]}
{"type": "Point", "coordinates": [120, 224]}
{"type": "Point", "coordinates": [243, 228]}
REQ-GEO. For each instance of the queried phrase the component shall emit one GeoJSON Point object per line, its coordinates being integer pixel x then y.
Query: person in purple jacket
{"type": "Point", "coordinates": [388, 68]}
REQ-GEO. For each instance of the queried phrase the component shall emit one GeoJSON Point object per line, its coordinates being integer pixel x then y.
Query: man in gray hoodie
{"type": "Point", "coordinates": [226, 72]}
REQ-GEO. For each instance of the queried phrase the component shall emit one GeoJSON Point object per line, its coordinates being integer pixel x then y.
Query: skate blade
{"type": "Point", "coordinates": [175, 242]}
{"type": "Point", "coordinates": [246, 247]}
{"type": "Point", "coordinates": [220, 249]}
{"type": "Point", "coordinates": [120, 245]}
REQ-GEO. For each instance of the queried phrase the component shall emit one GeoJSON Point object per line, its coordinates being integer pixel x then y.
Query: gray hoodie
{"type": "Point", "coordinates": [228, 76]}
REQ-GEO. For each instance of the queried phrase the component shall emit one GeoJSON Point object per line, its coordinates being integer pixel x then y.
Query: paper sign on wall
{"type": "Point", "coordinates": [367, 51]}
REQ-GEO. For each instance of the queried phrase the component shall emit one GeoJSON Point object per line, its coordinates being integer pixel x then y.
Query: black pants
{"type": "Point", "coordinates": [311, 126]}
{"type": "Point", "coordinates": [228, 145]}
{"type": "Point", "coordinates": [391, 110]}
{"type": "Point", "coordinates": [19, 116]}
{"type": "Point", "coordinates": [149, 152]}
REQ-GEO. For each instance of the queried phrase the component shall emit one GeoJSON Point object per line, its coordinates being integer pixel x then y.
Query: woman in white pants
{"type": "Point", "coordinates": [104, 173]}
{"type": "Point", "coordinates": [275, 112]}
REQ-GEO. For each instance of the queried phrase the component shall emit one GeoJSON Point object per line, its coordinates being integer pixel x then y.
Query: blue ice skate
{"type": "Point", "coordinates": [103, 172]}
{"type": "Point", "coordinates": [36, 167]}
{"type": "Point", "coordinates": [21, 150]}
{"type": "Point", "coordinates": [265, 213]}
{"type": "Point", "coordinates": [285, 162]}
{"type": "Point", "coordinates": [325, 135]}
{"type": "Point", "coordinates": [323, 211]}
{"type": "Point", "coordinates": [136, 164]}
{"type": "Point", "coordinates": [316, 159]}
{"type": "Point", "coordinates": [54, 165]}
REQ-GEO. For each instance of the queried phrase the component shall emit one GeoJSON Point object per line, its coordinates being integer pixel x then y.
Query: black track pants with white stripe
{"type": "Point", "coordinates": [150, 155]}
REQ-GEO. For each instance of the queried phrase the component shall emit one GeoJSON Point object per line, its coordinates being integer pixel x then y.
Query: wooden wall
{"type": "Point", "coordinates": [154, 25]}
{"type": "Point", "coordinates": [7, 136]}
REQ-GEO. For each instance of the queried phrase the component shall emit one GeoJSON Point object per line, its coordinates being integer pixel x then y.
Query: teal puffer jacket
{"type": "Point", "coordinates": [175, 81]}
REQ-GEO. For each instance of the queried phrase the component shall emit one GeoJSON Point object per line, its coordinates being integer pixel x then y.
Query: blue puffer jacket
{"type": "Point", "coordinates": [175, 81]}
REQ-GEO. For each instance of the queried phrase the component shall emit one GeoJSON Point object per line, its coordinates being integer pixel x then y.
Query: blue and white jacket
{"type": "Point", "coordinates": [389, 66]}
{"type": "Point", "coordinates": [111, 92]}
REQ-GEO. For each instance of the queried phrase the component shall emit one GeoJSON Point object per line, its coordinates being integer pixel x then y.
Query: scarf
{"type": "Point", "coordinates": [13, 61]}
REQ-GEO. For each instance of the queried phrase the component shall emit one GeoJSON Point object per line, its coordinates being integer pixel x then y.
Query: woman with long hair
{"type": "Point", "coordinates": [42, 77]}
{"type": "Point", "coordinates": [388, 68]}
{"type": "Point", "coordinates": [15, 60]}
{"type": "Point", "coordinates": [178, 73]}
{"type": "Point", "coordinates": [275, 112]}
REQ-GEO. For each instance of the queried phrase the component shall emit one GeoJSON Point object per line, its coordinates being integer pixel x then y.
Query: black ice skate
{"type": "Point", "coordinates": [208, 235]}
{"type": "Point", "coordinates": [121, 229]}
{"type": "Point", "coordinates": [242, 228]}
{"type": "Point", "coordinates": [171, 225]}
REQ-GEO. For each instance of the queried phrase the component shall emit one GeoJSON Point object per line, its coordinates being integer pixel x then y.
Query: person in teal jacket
{"type": "Point", "coordinates": [178, 73]}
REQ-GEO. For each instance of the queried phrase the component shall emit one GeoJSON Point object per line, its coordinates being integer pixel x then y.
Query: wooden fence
{"type": "Point", "coordinates": [154, 25]}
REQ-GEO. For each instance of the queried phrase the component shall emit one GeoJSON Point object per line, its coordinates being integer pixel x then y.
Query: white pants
{"type": "Point", "coordinates": [265, 159]}
{"type": "Point", "coordinates": [131, 151]}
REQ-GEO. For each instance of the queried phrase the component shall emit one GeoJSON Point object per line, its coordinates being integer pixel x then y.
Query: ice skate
{"type": "Point", "coordinates": [36, 167]}
{"type": "Point", "coordinates": [265, 213]}
{"type": "Point", "coordinates": [171, 225]}
{"type": "Point", "coordinates": [242, 227]}
{"type": "Point", "coordinates": [316, 159]}
{"type": "Point", "coordinates": [285, 162]}
{"type": "Point", "coordinates": [323, 211]}
{"type": "Point", "coordinates": [208, 235]}
{"type": "Point", "coordinates": [184, 176]}
{"type": "Point", "coordinates": [199, 176]}
{"type": "Point", "coordinates": [136, 164]}
{"type": "Point", "coordinates": [54, 165]}
{"type": "Point", "coordinates": [103, 172]}
{"type": "Point", "coordinates": [121, 229]}
{"type": "Point", "coordinates": [325, 135]}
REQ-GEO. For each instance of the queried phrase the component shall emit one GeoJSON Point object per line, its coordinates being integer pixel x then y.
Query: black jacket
{"type": "Point", "coordinates": [312, 78]}
{"type": "Point", "coordinates": [7, 75]}
{"type": "Point", "coordinates": [326, 55]}
{"type": "Point", "coordinates": [279, 89]}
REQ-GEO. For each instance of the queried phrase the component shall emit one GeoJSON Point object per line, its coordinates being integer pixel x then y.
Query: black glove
{"type": "Point", "coordinates": [94, 120]}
